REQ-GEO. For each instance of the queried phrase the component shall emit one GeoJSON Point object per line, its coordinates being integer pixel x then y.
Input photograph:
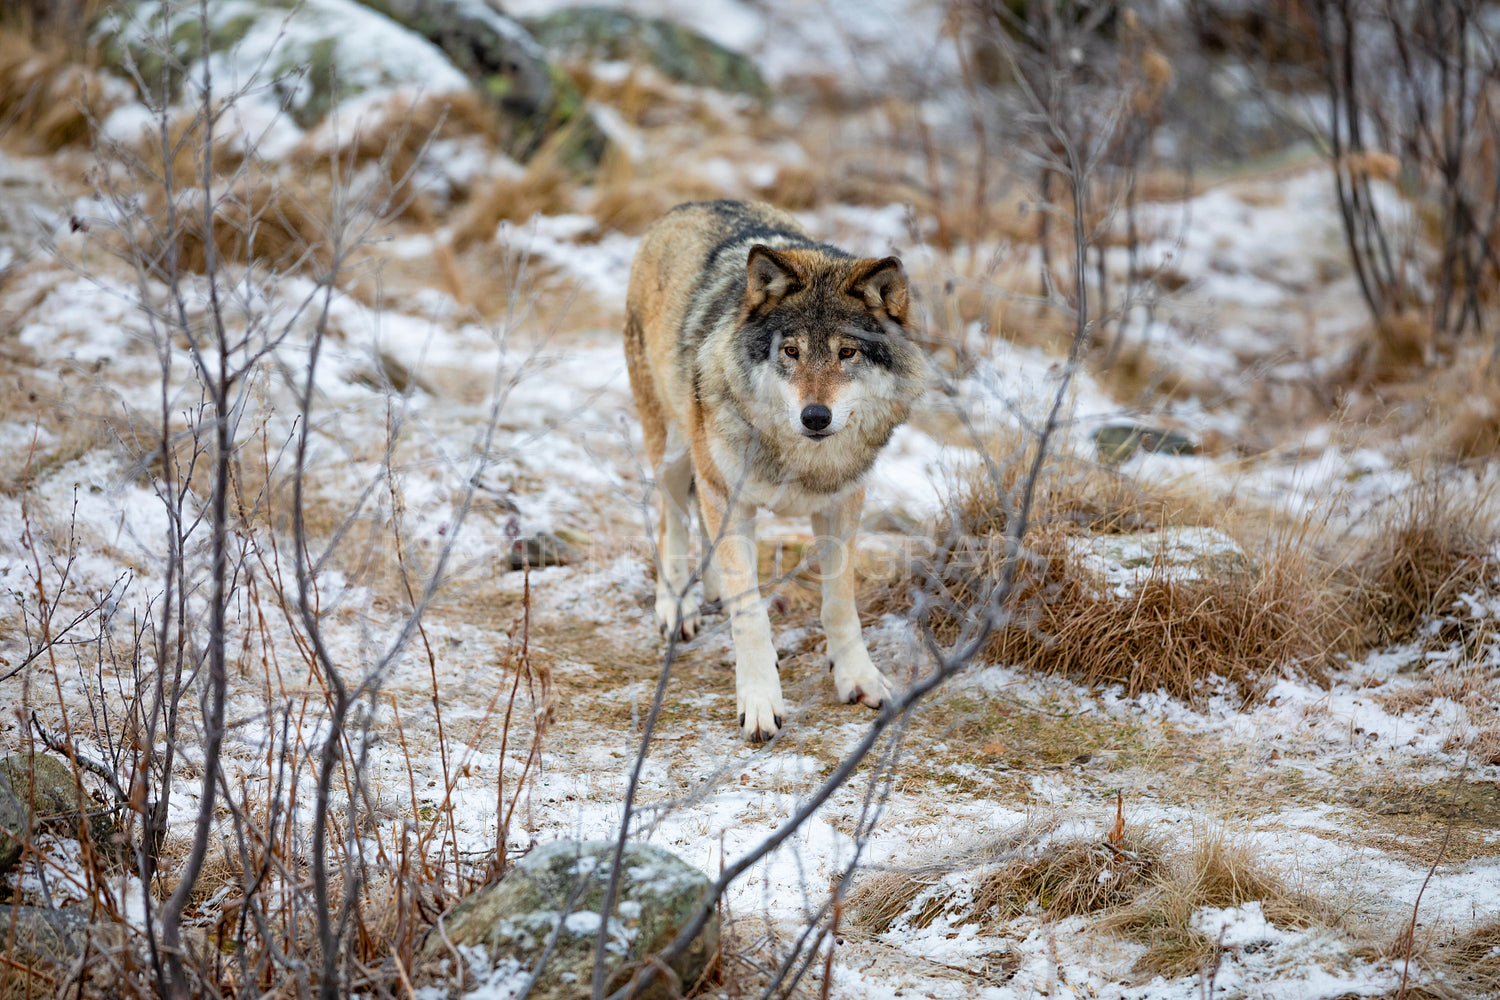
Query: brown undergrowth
{"type": "Point", "coordinates": [1218, 870]}
{"type": "Point", "coordinates": [1437, 542]}
{"type": "Point", "coordinates": [1280, 608]}
{"type": "Point", "coordinates": [1294, 601]}
{"type": "Point", "coordinates": [47, 97]}
{"type": "Point", "coordinates": [1145, 889]}
{"type": "Point", "coordinates": [1018, 873]}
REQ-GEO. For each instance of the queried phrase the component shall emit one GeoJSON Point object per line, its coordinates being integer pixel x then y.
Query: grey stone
{"type": "Point", "coordinates": [313, 55]}
{"type": "Point", "coordinates": [1118, 442]}
{"type": "Point", "coordinates": [679, 52]}
{"type": "Point", "coordinates": [510, 68]}
{"type": "Point", "coordinates": [56, 937]}
{"type": "Point", "coordinates": [37, 793]}
{"type": "Point", "coordinates": [514, 918]}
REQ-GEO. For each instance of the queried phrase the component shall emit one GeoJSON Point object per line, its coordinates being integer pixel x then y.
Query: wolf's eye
{"type": "Point", "coordinates": [791, 350]}
{"type": "Point", "coordinates": [845, 353]}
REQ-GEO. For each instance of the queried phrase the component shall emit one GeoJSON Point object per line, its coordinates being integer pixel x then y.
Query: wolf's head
{"type": "Point", "coordinates": [826, 335]}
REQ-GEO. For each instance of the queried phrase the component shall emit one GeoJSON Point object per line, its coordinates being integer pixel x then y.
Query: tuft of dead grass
{"type": "Point", "coordinates": [1437, 542]}
{"type": "Point", "coordinates": [545, 187]}
{"type": "Point", "coordinates": [1220, 870]}
{"type": "Point", "coordinates": [1173, 631]}
{"type": "Point", "coordinates": [395, 137]}
{"type": "Point", "coordinates": [47, 98]}
{"type": "Point", "coordinates": [628, 196]}
{"type": "Point", "coordinates": [269, 221]}
{"type": "Point", "coordinates": [1473, 960]}
{"type": "Point", "coordinates": [1019, 872]}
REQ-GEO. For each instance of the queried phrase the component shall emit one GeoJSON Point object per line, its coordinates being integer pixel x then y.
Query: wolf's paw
{"type": "Point", "coordinates": [858, 681]}
{"type": "Point", "coordinates": [761, 716]}
{"type": "Point", "coordinates": [667, 608]}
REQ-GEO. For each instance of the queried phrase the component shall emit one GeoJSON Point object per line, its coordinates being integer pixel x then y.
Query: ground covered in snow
{"type": "Point", "coordinates": [479, 393]}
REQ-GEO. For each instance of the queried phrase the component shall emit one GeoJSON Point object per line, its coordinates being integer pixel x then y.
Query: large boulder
{"type": "Point", "coordinates": [54, 937]}
{"type": "Point", "coordinates": [308, 57]}
{"type": "Point", "coordinates": [563, 884]}
{"type": "Point", "coordinates": [679, 52]}
{"type": "Point", "coordinates": [37, 793]}
{"type": "Point", "coordinates": [509, 68]}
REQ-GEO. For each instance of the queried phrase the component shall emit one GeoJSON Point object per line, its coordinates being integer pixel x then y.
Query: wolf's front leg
{"type": "Point", "coordinates": [854, 673]}
{"type": "Point", "coordinates": [756, 683]}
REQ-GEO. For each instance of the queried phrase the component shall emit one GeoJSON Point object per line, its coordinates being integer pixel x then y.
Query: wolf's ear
{"type": "Point", "coordinates": [881, 285]}
{"type": "Point", "coordinates": [769, 277]}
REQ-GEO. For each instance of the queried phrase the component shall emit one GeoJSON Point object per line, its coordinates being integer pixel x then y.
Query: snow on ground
{"type": "Point", "coordinates": [565, 457]}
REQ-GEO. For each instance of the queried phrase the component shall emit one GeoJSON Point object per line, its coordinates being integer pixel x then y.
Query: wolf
{"type": "Point", "coordinates": [768, 370]}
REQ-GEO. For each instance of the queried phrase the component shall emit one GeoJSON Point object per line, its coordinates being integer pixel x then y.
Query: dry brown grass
{"type": "Point", "coordinates": [1220, 870]}
{"type": "Point", "coordinates": [274, 222]}
{"type": "Point", "coordinates": [545, 188]}
{"type": "Point", "coordinates": [1018, 873]}
{"type": "Point", "coordinates": [628, 196]}
{"type": "Point", "coordinates": [1436, 543]}
{"type": "Point", "coordinates": [1473, 961]}
{"type": "Point", "coordinates": [1143, 890]}
{"type": "Point", "coordinates": [259, 215]}
{"type": "Point", "coordinates": [396, 137]}
{"type": "Point", "coordinates": [47, 98]}
{"type": "Point", "coordinates": [1174, 631]}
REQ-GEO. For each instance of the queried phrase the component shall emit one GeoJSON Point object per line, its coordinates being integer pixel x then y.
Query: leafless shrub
{"type": "Point", "coordinates": [228, 695]}
{"type": "Point", "coordinates": [1411, 101]}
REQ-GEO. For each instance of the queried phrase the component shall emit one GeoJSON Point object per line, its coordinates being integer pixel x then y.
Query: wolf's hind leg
{"type": "Point", "coordinates": [674, 609]}
{"type": "Point", "coordinates": [854, 673]}
{"type": "Point", "coordinates": [712, 592]}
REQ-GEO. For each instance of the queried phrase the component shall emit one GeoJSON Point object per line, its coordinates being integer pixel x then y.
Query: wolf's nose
{"type": "Point", "coordinates": [816, 417]}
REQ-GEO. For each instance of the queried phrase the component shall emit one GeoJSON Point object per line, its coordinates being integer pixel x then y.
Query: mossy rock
{"type": "Point", "coordinates": [1116, 443]}
{"type": "Point", "coordinates": [307, 57]}
{"type": "Point", "coordinates": [679, 52]}
{"type": "Point", "coordinates": [505, 64]}
{"type": "Point", "coordinates": [37, 793]}
{"type": "Point", "coordinates": [513, 919]}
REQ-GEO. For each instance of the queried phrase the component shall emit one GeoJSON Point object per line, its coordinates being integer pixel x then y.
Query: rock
{"type": "Point", "coordinates": [510, 68]}
{"type": "Point", "coordinates": [679, 52]}
{"type": "Point", "coordinates": [315, 55]}
{"type": "Point", "coordinates": [514, 918]}
{"type": "Point", "coordinates": [1116, 443]}
{"type": "Point", "coordinates": [37, 793]}
{"type": "Point", "coordinates": [57, 937]}
{"type": "Point", "coordinates": [541, 549]}
{"type": "Point", "coordinates": [311, 56]}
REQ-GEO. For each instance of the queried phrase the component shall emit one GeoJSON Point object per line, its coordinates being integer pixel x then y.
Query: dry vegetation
{"type": "Point", "coordinates": [48, 100]}
{"type": "Point", "coordinates": [1142, 888]}
{"type": "Point", "coordinates": [1298, 600]}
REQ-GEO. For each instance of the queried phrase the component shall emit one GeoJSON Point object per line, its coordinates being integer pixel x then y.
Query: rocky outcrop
{"type": "Point", "coordinates": [559, 889]}
{"type": "Point", "coordinates": [679, 52]}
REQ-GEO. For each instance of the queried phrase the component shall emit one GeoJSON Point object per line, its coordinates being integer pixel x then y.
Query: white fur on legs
{"type": "Point", "coordinates": [757, 686]}
{"type": "Point", "coordinates": [712, 592]}
{"type": "Point", "coordinates": [674, 563]}
{"type": "Point", "coordinates": [854, 673]}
